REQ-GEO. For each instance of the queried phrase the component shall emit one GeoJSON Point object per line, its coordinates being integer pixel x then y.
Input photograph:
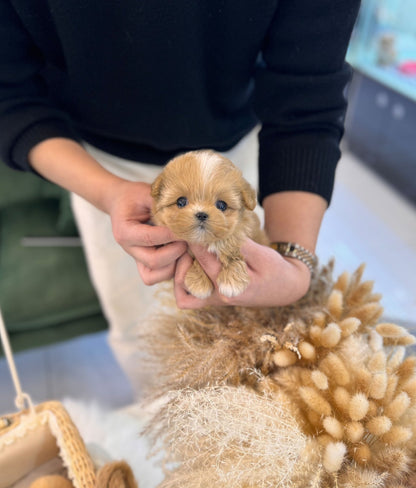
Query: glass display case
{"type": "Point", "coordinates": [383, 44]}
{"type": "Point", "coordinates": [381, 118]}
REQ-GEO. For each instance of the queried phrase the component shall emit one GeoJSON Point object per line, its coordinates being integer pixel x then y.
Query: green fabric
{"type": "Point", "coordinates": [66, 222]}
{"type": "Point", "coordinates": [17, 186]}
{"type": "Point", "coordinates": [62, 332]}
{"type": "Point", "coordinates": [45, 292]}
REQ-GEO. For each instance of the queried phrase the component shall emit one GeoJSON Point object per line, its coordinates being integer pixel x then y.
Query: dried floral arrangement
{"type": "Point", "coordinates": [317, 394]}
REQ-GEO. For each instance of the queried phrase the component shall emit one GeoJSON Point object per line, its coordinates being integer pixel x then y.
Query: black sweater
{"type": "Point", "coordinates": [146, 79]}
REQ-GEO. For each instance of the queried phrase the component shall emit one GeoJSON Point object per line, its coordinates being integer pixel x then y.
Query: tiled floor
{"type": "Point", "coordinates": [367, 222]}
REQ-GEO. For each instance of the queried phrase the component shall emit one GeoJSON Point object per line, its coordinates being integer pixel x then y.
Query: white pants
{"type": "Point", "coordinates": [125, 300]}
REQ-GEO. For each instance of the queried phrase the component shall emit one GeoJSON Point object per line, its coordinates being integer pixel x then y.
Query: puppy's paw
{"type": "Point", "coordinates": [233, 280]}
{"type": "Point", "coordinates": [197, 282]}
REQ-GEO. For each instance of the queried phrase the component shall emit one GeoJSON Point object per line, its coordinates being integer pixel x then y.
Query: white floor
{"type": "Point", "coordinates": [370, 222]}
{"type": "Point", "coordinates": [367, 222]}
{"type": "Point", "coordinates": [80, 369]}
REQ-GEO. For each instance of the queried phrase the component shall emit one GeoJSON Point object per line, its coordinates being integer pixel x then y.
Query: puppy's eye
{"type": "Point", "coordinates": [221, 205]}
{"type": "Point", "coordinates": [182, 202]}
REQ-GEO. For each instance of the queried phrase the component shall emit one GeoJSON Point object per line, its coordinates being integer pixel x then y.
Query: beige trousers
{"type": "Point", "coordinates": [126, 302]}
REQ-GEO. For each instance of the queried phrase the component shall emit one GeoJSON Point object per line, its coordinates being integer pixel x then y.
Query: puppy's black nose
{"type": "Point", "coordinates": [202, 216]}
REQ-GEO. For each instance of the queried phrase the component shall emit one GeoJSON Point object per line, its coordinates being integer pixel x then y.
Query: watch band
{"type": "Point", "coordinates": [293, 250]}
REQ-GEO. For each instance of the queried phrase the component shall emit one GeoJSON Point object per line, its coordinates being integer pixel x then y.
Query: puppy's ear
{"type": "Point", "coordinates": [156, 188]}
{"type": "Point", "coordinates": [248, 195]}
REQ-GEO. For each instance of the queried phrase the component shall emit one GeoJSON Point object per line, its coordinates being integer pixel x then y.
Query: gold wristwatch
{"type": "Point", "coordinates": [296, 251]}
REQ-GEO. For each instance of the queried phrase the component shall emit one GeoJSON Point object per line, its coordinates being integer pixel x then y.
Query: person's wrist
{"type": "Point", "coordinates": [294, 217]}
{"type": "Point", "coordinates": [301, 275]}
{"type": "Point", "coordinates": [111, 191]}
{"type": "Point", "coordinates": [300, 266]}
{"type": "Point", "coordinates": [296, 251]}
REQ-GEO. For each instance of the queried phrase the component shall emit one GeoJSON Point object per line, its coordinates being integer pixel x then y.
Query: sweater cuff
{"type": "Point", "coordinates": [36, 133]}
{"type": "Point", "coordinates": [298, 163]}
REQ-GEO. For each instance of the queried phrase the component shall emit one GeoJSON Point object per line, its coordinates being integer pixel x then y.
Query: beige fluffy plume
{"type": "Point", "coordinates": [225, 345]}
{"type": "Point", "coordinates": [345, 382]}
{"type": "Point", "coordinates": [231, 437]}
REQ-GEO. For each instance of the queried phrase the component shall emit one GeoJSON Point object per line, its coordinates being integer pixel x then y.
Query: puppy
{"type": "Point", "coordinates": [204, 199]}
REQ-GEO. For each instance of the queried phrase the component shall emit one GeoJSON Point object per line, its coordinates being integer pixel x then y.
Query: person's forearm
{"type": "Point", "coordinates": [66, 163]}
{"type": "Point", "coordinates": [294, 217]}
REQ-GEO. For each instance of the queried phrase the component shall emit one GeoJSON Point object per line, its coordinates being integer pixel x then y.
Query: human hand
{"type": "Point", "coordinates": [155, 249]}
{"type": "Point", "coordinates": [129, 204]}
{"type": "Point", "coordinates": [274, 280]}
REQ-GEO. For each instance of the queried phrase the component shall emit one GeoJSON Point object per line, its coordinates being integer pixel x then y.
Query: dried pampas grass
{"type": "Point", "coordinates": [230, 437]}
{"type": "Point", "coordinates": [351, 391]}
{"type": "Point", "coordinates": [358, 385]}
{"type": "Point", "coordinates": [224, 345]}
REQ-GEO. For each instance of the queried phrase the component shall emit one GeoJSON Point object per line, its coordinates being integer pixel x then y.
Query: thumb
{"type": "Point", "coordinates": [208, 260]}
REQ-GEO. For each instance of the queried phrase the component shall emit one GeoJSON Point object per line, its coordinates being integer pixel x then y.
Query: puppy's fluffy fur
{"type": "Point", "coordinates": [203, 198]}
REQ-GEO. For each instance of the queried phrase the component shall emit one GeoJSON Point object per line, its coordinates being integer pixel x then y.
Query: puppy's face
{"type": "Point", "coordinates": [201, 196]}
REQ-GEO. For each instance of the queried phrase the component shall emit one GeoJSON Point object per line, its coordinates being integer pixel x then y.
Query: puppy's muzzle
{"type": "Point", "coordinates": [202, 216]}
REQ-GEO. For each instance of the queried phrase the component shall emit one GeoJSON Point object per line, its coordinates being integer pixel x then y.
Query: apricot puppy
{"type": "Point", "coordinates": [203, 198]}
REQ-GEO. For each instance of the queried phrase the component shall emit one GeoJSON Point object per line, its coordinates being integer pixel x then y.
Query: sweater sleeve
{"type": "Point", "coordinates": [27, 116]}
{"type": "Point", "coordinates": [299, 95]}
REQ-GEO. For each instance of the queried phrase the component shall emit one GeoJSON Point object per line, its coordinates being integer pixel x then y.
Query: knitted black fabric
{"type": "Point", "coordinates": [146, 80]}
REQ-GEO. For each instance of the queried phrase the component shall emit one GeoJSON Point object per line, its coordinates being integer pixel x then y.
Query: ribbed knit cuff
{"type": "Point", "coordinates": [298, 163]}
{"type": "Point", "coordinates": [38, 132]}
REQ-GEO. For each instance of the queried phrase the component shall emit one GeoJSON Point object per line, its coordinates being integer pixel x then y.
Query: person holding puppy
{"type": "Point", "coordinates": [96, 98]}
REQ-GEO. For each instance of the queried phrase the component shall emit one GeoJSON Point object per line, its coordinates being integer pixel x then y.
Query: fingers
{"type": "Point", "coordinates": [158, 257]}
{"type": "Point", "coordinates": [153, 250]}
{"type": "Point", "coordinates": [253, 254]}
{"type": "Point", "coordinates": [153, 276]}
{"type": "Point", "coordinates": [184, 299]}
{"type": "Point", "coordinates": [208, 261]}
{"type": "Point", "coordinates": [135, 233]}
{"type": "Point", "coordinates": [158, 264]}
{"type": "Point", "coordinates": [274, 280]}
{"type": "Point", "coordinates": [210, 265]}
{"type": "Point", "coordinates": [181, 294]}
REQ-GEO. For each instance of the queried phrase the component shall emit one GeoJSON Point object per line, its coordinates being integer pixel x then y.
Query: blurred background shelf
{"type": "Point", "coordinates": [381, 121]}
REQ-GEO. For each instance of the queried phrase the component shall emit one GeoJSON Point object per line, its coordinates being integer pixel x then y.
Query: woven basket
{"type": "Point", "coordinates": [31, 438]}
{"type": "Point", "coordinates": [36, 435]}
